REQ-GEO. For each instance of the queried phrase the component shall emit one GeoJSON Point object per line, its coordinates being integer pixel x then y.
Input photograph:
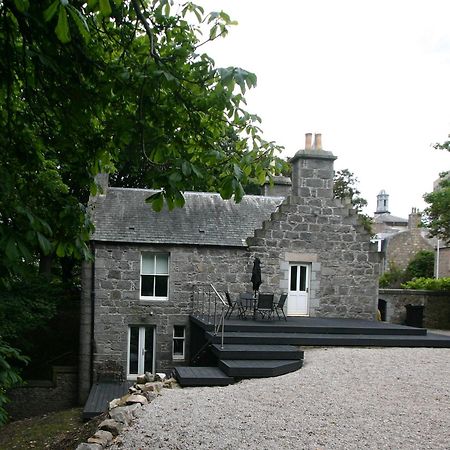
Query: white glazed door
{"type": "Point", "coordinates": [140, 351]}
{"type": "Point", "coordinates": [298, 290]}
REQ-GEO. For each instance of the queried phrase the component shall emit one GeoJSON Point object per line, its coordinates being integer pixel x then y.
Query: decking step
{"type": "Point", "coordinates": [312, 325]}
{"type": "Point", "coordinates": [305, 339]}
{"type": "Point", "coordinates": [201, 376]}
{"type": "Point", "coordinates": [101, 394]}
{"type": "Point", "coordinates": [255, 351]}
{"type": "Point", "coordinates": [258, 368]}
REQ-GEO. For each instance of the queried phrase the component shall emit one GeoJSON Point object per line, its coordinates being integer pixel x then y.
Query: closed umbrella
{"type": "Point", "coordinates": [256, 274]}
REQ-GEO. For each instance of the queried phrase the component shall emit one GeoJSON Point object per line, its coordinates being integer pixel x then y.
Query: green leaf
{"type": "Point", "coordinates": [105, 8]}
{"type": "Point", "coordinates": [44, 243]}
{"type": "Point", "coordinates": [62, 27]}
{"type": "Point", "coordinates": [22, 5]}
{"type": "Point", "coordinates": [179, 200]}
{"type": "Point", "coordinates": [92, 4]}
{"type": "Point", "coordinates": [11, 249]}
{"type": "Point", "coordinates": [186, 168]}
{"type": "Point", "coordinates": [226, 190]}
{"type": "Point", "coordinates": [238, 192]}
{"type": "Point", "coordinates": [51, 10]}
{"type": "Point", "coordinates": [80, 22]}
{"type": "Point", "coordinates": [60, 250]}
{"type": "Point", "coordinates": [156, 200]}
{"type": "Point", "coordinates": [237, 171]}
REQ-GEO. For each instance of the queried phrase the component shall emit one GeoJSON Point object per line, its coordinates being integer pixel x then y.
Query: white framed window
{"type": "Point", "coordinates": [141, 350]}
{"type": "Point", "coordinates": [154, 276]}
{"type": "Point", "coordinates": [179, 342]}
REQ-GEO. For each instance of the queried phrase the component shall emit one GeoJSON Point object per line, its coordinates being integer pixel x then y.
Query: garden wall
{"type": "Point", "coordinates": [39, 397]}
{"type": "Point", "coordinates": [436, 306]}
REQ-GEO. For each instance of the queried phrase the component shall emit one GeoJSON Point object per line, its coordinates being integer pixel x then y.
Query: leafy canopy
{"type": "Point", "coordinates": [345, 187]}
{"type": "Point", "coordinates": [121, 87]}
{"type": "Point", "coordinates": [437, 214]}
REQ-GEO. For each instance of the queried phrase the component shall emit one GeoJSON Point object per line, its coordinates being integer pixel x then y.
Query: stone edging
{"type": "Point", "coordinates": [122, 411]}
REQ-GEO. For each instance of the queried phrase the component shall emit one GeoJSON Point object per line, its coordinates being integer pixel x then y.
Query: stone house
{"type": "Point", "coordinates": [398, 239]}
{"type": "Point", "coordinates": [401, 247]}
{"type": "Point", "coordinates": [136, 293]}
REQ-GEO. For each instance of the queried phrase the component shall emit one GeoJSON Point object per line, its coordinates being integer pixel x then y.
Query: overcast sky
{"type": "Point", "coordinates": [372, 77]}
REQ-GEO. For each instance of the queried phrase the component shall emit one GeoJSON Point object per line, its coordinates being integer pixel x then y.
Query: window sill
{"type": "Point", "coordinates": [153, 299]}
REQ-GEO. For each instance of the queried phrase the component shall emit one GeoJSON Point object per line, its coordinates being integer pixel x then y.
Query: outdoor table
{"type": "Point", "coordinates": [248, 302]}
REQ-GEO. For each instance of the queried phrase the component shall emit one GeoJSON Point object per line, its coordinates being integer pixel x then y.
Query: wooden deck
{"type": "Point", "coordinates": [259, 348]}
{"type": "Point", "coordinates": [100, 396]}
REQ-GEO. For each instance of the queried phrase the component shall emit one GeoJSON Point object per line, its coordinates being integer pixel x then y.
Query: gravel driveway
{"type": "Point", "coordinates": [343, 398]}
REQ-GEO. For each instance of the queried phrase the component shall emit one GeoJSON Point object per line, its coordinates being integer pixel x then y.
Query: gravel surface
{"type": "Point", "coordinates": [342, 398]}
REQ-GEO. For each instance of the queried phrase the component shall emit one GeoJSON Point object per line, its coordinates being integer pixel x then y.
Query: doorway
{"type": "Point", "coordinates": [298, 297]}
{"type": "Point", "coordinates": [141, 350]}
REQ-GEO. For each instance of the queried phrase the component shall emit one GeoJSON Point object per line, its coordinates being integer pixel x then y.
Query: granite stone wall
{"type": "Point", "coordinates": [314, 228]}
{"type": "Point", "coordinates": [117, 292]}
{"type": "Point", "coordinates": [402, 247]}
{"type": "Point", "coordinates": [39, 397]}
{"type": "Point", "coordinates": [436, 306]}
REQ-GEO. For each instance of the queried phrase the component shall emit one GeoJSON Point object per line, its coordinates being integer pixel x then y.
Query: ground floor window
{"type": "Point", "coordinates": [179, 342]}
{"type": "Point", "coordinates": [141, 350]}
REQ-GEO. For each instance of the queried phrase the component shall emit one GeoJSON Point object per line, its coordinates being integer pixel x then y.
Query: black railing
{"type": "Point", "coordinates": [210, 306]}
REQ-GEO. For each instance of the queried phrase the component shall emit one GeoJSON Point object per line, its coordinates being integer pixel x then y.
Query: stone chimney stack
{"type": "Point", "coordinates": [318, 141]}
{"type": "Point", "coordinates": [414, 219]}
{"type": "Point", "coordinates": [312, 170]}
{"type": "Point", "coordinates": [308, 140]}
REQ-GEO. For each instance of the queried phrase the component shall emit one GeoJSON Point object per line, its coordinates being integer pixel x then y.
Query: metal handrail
{"type": "Point", "coordinates": [210, 306]}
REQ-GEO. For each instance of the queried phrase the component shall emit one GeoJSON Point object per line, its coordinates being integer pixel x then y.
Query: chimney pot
{"type": "Point", "coordinates": [308, 140]}
{"type": "Point", "coordinates": [318, 141]}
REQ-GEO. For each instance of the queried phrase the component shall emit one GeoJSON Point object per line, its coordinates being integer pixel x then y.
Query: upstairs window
{"type": "Point", "coordinates": [154, 276]}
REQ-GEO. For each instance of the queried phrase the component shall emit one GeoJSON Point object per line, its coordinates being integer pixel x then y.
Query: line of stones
{"type": "Point", "coordinates": [122, 411]}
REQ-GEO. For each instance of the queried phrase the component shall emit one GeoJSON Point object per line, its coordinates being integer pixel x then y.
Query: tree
{"type": "Point", "coordinates": [121, 87]}
{"type": "Point", "coordinates": [116, 86]}
{"type": "Point", "coordinates": [345, 187]}
{"type": "Point", "coordinates": [437, 214]}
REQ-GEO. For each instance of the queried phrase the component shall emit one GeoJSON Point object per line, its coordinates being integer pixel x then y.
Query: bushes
{"type": "Point", "coordinates": [421, 266]}
{"type": "Point", "coordinates": [9, 376]}
{"type": "Point", "coordinates": [428, 284]}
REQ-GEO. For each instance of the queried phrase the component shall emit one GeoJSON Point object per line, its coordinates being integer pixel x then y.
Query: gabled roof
{"type": "Point", "coordinates": [389, 219]}
{"type": "Point", "coordinates": [206, 219]}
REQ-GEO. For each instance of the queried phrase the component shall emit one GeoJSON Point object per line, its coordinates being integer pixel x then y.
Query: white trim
{"type": "Point", "coordinates": [179, 338]}
{"type": "Point", "coordinates": [141, 343]}
{"type": "Point", "coordinates": [152, 298]}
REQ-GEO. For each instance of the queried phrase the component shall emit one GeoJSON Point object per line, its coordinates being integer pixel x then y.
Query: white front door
{"type": "Point", "coordinates": [141, 355]}
{"type": "Point", "coordinates": [298, 290]}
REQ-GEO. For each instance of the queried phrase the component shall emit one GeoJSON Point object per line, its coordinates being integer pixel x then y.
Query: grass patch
{"type": "Point", "coordinates": [55, 431]}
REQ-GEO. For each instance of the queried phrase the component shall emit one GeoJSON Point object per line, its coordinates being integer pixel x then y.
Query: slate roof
{"type": "Point", "coordinates": [206, 219]}
{"type": "Point", "coordinates": [389, 218]}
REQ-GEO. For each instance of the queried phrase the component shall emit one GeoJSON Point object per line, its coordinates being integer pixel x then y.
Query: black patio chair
{"type": "Point", "coordinates": [247, 301]}
{"type": "Point", "coordinates": [265, 306]}
{"type": "Point", "coordinates": [280, 306]}
{"type": "Point", "coordinates": [232, 305]}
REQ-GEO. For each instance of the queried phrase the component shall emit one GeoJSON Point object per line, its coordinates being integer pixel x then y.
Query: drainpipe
{"type": "Point", "coordinates": [86, 331]}
{"type": "Point", "coordinates": [437, 259]}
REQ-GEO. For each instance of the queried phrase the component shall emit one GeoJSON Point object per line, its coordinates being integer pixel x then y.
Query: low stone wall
{"type": "Point", "coordinates": [43, 396]}
{"type": "Point", "coordinates": [436, 306]}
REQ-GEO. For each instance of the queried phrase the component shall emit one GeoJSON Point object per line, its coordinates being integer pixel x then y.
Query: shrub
{"type": "Point", "coordinates": [393, 277]}
{"type": "Point", "coordinates": [428, 284]}
{"type": "Point", "coordinates": [9, 376]}
{"type": "Point", "coordinates": [421, 266]}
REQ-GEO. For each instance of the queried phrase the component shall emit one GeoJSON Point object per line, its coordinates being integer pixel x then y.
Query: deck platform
{"type": "Point", "coordinates": [100, 396]}
{"type": "Point", "coordinates": [260, 348]}
{"type": "Point", "coordinates": [202, 376]}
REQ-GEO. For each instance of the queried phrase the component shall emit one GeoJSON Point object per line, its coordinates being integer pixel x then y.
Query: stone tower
{"type": "Point", "coordinates": [382, 203]}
